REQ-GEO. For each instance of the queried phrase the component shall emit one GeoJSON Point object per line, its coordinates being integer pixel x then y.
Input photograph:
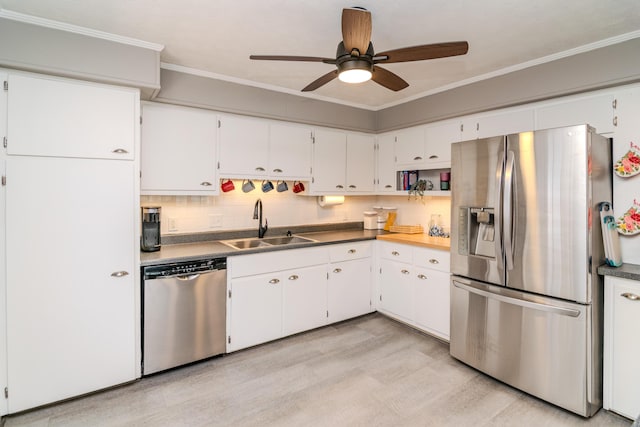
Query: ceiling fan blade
{"type": "Point", "coordinates": [292, 58]}
{"type": "Point", "coordinates": [321, 81]}
{"type": "Point", "coordinates": [388, 79]}
{"type": "Point", "coordinates": [419, 53]}
{"type": "Point", "coordinates": [356, 29]}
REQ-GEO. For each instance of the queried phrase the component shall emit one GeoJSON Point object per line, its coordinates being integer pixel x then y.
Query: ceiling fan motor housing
{"type": "Point", "coordinates": [354, 60]}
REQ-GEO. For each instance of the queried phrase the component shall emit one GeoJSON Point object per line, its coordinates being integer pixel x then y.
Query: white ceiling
{"type": "Point", "coordinates": [217, 36]}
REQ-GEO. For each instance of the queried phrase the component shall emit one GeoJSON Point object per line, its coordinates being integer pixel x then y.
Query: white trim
{"type": "Point", "coordinates": [545, 59]}
{"type": "Point", "coordinates": [48, 23]}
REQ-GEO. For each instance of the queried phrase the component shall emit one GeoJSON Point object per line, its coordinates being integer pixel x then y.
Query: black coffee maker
{"type": "Point", "coordinates": [150, 239]}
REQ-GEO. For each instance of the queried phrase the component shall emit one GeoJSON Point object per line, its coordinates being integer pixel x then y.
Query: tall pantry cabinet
{"type": "Point", "coordinates": [72, 197]}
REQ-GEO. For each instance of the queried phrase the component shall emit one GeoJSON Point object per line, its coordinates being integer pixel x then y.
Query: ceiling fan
{"type": "Point", "coordinates": [356, 60]}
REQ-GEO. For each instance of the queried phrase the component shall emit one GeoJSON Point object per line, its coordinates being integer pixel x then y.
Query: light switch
{"type": "Point", "coordinates": [172, 224]}
{"type": "Point", "coordinates": [215, 221]}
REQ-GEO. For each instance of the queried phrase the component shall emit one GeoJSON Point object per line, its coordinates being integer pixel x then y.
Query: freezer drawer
{"type": "Point", "coordinates": [537, 344]}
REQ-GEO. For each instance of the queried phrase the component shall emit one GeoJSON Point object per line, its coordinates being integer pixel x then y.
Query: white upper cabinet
{"type": "Point", "coordinates": [64, 118]}
{"type": "Point", "coordinates": [505, 123]}
{"type": "Point", "coordinates": [409, 146]}
{"type": "Point", "coordinates": [244, 147]}
{"type": "Point", "coordinates": [597, 111]}
{"type": "Point", "coordinates": [178, 150]}
{"type": "Point", "coordinates": [438, 139]}
{"type": "Point", "coordinates": [386, 166]}
{"type": "Point", "coordinates": [329, 162]}
{"type": "Point", "coordinates": [361, 160]}
{"type": "Point", "coordinates": [289, 151]}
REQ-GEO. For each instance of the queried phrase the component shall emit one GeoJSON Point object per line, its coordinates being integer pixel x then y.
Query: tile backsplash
{"type": "Point", "coordinates": [234, 210]}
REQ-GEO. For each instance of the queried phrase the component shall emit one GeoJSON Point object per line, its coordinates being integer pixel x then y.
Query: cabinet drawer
{"type": "Point", "coordinates": [396, 252]}
{"type": "Point", "coordinates": [348, 251]}
{"type": "Point", "coordinates": [431, 258]}
{"type": "Point", "coordinates": [260, 263]}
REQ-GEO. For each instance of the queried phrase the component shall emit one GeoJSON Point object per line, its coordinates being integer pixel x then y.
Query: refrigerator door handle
{"type": "Point", "coordinates": [508, 209]}
{"type": "Point", "coordinates": [498, 214]}
{"type": "Point", "coordinates": [516, 301]}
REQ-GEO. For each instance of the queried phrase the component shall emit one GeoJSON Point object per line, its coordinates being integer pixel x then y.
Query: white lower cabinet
{"type": "Point", "coordinates": [71, 277]}
{"type": "Point", "coordinates": [275, 294]}
{"type": "Point", "coordinates": [622, 346]}
{"type": "Point", "coordinates": [413, 286]}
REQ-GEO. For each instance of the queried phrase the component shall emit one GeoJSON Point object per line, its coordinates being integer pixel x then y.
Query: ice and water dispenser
{"type": "Point", "coordinates": [476, 232]}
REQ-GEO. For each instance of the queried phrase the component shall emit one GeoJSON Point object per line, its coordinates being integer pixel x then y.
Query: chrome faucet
{"type": "Point", "coordinates": [257, 214]}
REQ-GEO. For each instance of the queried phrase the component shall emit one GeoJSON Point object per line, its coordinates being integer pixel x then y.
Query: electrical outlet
{"type": "Point", "coordinates": [215, 221]}
{"type": "Point", "coordinates": [172, 224]}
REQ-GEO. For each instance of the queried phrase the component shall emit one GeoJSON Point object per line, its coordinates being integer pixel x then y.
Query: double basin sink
{"type": "Point", "coordinates": [266, 242]}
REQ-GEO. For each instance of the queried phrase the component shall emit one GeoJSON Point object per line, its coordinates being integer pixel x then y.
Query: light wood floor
{"type": "Point", "coordinates": [369, 371]}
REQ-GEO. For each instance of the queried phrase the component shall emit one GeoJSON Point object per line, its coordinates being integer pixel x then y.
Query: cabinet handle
{"type": "Point", "coordinates": [615, 121]}
{"type": "Point", "coordinates": [417, 158]}
{"type": "Point", "coordinates": [337, 270]}
{"type": "Point", "coordinates": [632, 297]}
{"type": "Point", "coordinates": [274, 281]}
{"type": "Point", "coordinates": [352, 251]}
{"type": "Point", "coordinates": [395, 253]}
{"type": "Point", "coordinates": [433, 156]}
{"type": "Point", "coordinates": [352, 186]}
{"type": "Point", "coordinates": [339, 186]}
{"type": "Point", "coordinates": [277, 170]}
{"type": "Point", "coordinates": [260, 169]}
{"type": "Point", "coordinates": [119, 273]}
{"type": "Point", "coordinates": [434, 261]}
{"type": "Point", "coordinates": [205, 184]}
{"type": "Point", "coordinates": [387, 186]}
{"type": "Point", "coordinates": [293, 277]}
{"type": "Point", "coordinates": [120, 151]}
{"type": "Point", "coordinates": [422, 277]}
{"type": "Point", "coordinates": [404, 271]}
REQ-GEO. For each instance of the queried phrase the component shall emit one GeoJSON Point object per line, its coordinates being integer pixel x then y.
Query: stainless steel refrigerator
{"type": "Point", "coordinates": [526, 300]}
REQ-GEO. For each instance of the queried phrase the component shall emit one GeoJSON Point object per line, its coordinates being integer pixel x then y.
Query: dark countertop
{"type": "Point", "coordinates": [625, 271]}
{"type": "Point", "coordinates": [169, 253]}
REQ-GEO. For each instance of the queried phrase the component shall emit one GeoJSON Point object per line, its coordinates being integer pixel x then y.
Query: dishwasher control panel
{"type": "Point", "coordinates": [186, 267]}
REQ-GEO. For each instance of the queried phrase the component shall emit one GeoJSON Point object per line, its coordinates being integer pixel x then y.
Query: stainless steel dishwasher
{"type": "Point", "coordinates": [183, 313]}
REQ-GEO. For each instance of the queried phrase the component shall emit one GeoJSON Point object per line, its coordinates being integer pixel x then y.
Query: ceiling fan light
{"type": "Point", "coordinates": [355, 76]}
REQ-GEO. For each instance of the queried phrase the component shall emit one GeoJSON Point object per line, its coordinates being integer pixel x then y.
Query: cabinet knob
{"type": "Point", "coordinates": [433, 156]}
{"type": "Point", "coordinates": [352, 251]}
{"type": "Point", "coordinates": [274, 281]}
{"type": "Point", "coordinates": [422, 277]}
{"type": "Point", "coordinates": [277, 170]}
{"type": "Point", "coordinates": [337, 270]}
{"type": "Point", "coordinates": [417, 158]}
{"type": "Point", "coordinates": [120, 151]}
{"type": "Point", "coordinates": [395, 253]}
{"type": "Point", "coordinates": [294, 277]}
{"type": "Point", "coordinates": [339, 186]}
{"type": "Point", "coordinates": [632, 297]}
{"type": "Point", "coordinates": [119, 273]}
{"type": "Point", "coordinates": [404, 271]}
{"type": "Point", "coordinates": [434, 261]}
{"type": "Point", "coordinates": [260, 169]}
{"type": "Point", "coordinates": [205, 184]}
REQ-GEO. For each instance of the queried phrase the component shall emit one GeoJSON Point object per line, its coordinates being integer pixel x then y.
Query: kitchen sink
{"type": "Point", "coordinates": [255, 242]}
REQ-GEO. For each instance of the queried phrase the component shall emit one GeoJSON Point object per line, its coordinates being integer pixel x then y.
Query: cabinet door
{"type": "Point", "coordinates": [361, 160]}
{"type": "Point", "coordinates": [304, 299]}
{"type": "Point", "coordinates": [329, 162]}
{"type": "Point", "coordinates": [385, 170]}
{"type": "Point", "coordinates": [596, 111]}
{"type": "Point", "coordinates": [64, 118]}
{"type": "Point", "coordinates": [622, 346]}
{"type": "Point", "coordinates": [396, 289]}
{"type": "Point", "coordinates": [409, 146]}
{"type": "Point", "coordinates": [349, 289]}
{"type": "Point", "coordinates": [71, 277]}
{"type": "Point", "coordinates": [244, 147]}
{"type": "Point", "coordinates": [289, 152]}
{"type": "Point", "coordinates": [505, 123]}
{"type": "Point", "coordinates": [438, 139]}
{"type": "Point", "coordinates": [178, 150]}
{"type": "Point", "coordinates": [256, 310]}
{"type": "Point", "coordinates": [431, 301]}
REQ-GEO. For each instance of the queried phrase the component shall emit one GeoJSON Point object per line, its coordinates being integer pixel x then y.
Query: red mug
{"type": "Point", "coordinates": [227, 186]}
{"type": "Point", "coordinates": [298, 187]}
